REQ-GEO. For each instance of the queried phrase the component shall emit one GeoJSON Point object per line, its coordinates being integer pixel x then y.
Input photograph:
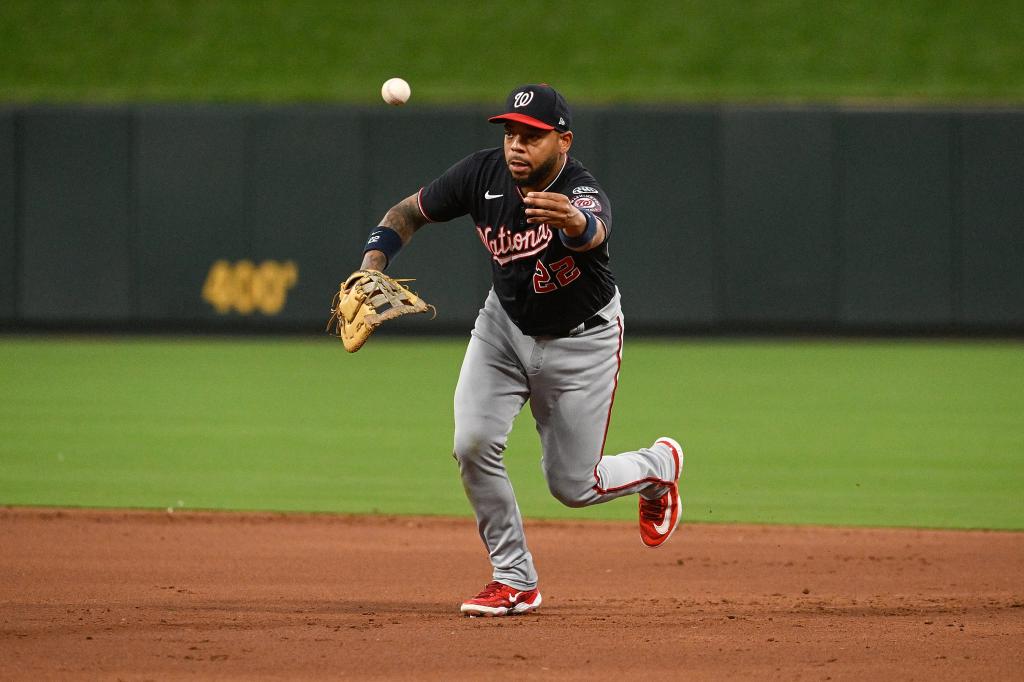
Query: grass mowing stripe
{"type": "Point", "coordinates": [865, 433]}
{"type": "Point", "coordinates": [463, 51]}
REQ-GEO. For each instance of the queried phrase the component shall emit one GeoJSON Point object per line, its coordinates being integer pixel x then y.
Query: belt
{"type": "Point", "coordinates": [589, 323]}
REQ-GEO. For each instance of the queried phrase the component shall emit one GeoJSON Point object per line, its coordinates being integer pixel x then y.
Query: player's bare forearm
{"type": "Point", "coordinates": [404, 218]}
{"type": "Point", "coordinates": [374, 260]}
{"type": "Point", "coordinates": [556, 210]}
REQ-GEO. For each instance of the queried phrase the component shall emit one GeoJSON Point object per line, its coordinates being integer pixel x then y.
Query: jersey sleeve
{"type": "Point", "coordinates": [447, 196]}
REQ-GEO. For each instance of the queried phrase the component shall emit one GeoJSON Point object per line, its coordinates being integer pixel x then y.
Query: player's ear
{"type": "Point", "coordinates": [565, 141]}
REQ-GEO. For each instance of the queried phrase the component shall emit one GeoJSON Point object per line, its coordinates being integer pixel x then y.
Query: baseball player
{"type": "Point", "coordinates": [550, 331]}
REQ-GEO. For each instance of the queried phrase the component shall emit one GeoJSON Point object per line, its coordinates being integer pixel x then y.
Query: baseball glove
{"type": "Point", "coordinates": [367, 299]}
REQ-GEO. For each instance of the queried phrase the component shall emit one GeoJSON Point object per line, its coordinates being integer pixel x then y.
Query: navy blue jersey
{"type": "Point", "coordinates": [545, 288]}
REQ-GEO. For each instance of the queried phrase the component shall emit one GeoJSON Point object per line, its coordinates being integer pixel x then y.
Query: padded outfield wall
{"type": "Point", "coordinates": [726, 218]}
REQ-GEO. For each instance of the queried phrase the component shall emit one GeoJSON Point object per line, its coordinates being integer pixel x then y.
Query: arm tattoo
{"type": "Point", "coordinates": [405, 218]}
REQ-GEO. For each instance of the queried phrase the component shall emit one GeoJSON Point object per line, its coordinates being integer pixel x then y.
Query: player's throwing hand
{"type": "Point", "coordinates": [556, 211]}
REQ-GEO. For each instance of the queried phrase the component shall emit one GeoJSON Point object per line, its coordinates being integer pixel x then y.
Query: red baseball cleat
{"type": "Point", "coordinates": [498, 599]}
{"type": "Point", "coordinates": [660, 517]}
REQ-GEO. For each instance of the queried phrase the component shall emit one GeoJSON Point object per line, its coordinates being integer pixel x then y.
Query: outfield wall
{"type": "Point", "coordinates": [726, 218]}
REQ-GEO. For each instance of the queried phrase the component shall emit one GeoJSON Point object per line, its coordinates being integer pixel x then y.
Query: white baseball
{"type": "Point", "coordinates": [395, 91]}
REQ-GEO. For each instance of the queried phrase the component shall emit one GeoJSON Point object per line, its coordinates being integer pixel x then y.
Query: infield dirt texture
{"type": "Point", "coordinates": [149, 595]}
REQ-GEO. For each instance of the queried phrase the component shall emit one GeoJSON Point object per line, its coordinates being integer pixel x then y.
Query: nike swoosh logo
{"type": "Point", "coordinates": [488, 195]}
{"type": "Point", "coordinates": [513, 597]}
{"type": "Point", "coordinates": [662, 528]}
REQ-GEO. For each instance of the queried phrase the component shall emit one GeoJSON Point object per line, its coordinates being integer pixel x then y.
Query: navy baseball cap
{"type": "Point", "coordinates": [538, 106]}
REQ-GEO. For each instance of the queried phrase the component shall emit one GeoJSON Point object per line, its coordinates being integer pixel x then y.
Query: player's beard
{"type": "Point", "coordinates": [537, 174]}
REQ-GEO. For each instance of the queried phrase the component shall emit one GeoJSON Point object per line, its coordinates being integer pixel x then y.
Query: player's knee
{"type": "Point", "coordinates": [473, 445]}
{"type": "Point", "coordinates": [570, 493]}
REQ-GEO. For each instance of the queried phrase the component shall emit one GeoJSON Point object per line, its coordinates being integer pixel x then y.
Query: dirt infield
{"type": "Point", "coordinates": [151, 595]}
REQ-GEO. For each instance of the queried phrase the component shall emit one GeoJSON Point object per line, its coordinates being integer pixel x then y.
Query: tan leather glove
{"type": "Point", "coordinates": [367, 299]}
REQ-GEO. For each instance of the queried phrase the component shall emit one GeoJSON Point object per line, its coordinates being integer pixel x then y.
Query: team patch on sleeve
{"type": "Point", "coordinates": [586, 203]}
{"type": "Point", "coordinates": [585, 189]}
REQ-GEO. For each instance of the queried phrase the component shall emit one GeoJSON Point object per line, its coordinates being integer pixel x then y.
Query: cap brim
{"type": "Point", "coordinates": [521, 118]}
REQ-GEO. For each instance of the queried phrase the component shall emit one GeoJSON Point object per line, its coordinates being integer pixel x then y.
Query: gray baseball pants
{"type": "Point", "coordinates": [570, 383]}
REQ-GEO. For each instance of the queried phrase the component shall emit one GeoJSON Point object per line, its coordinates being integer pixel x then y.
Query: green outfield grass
{"type": "Point", "coordinates": [463, 51]}
{"type": "Point", "coordinates": [866, 433]}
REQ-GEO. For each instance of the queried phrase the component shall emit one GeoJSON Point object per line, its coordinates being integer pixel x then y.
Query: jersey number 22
{"type": "Point", "coordinates": [563, 271]}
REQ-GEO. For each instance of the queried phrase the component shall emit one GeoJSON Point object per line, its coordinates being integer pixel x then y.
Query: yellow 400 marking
{"type": "Point", "coordinates": [246, 287]}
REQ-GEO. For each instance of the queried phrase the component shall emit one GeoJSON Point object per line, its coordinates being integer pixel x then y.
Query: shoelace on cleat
{"type": "Point", "coordinates": [490, 590]}
{"type": "Point", "coordinates": [653, 510]}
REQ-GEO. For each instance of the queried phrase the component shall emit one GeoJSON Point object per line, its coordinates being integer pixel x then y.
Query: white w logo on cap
{"type": "Point", "coordinates": [522, 99]}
